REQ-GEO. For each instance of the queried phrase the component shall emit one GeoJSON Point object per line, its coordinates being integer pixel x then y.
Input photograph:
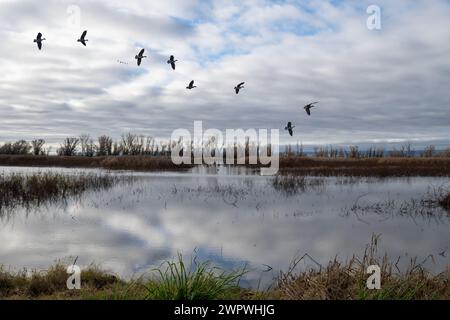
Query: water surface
{"type": "Point", "coordinates": [232, 217]}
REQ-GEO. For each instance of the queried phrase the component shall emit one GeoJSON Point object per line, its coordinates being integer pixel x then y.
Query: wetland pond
{"type": "Point", "coordinates": [232, 217]}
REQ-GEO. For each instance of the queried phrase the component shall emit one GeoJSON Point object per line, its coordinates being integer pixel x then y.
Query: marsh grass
{"type": "Point", "coordinates": [444, 201]}
{"type": "Point", "coordinates": [138, 163]}
{"type": "Point", "coordinates": [32, 190]}
{"type": "Point", "coordinates": [372, 167]}
{"type": "Point", "coordinates": [198, 281]}
{"type": "Point", "coordinates": [347, 280]}
{"type": "Point", "coordinates": [292, 184]}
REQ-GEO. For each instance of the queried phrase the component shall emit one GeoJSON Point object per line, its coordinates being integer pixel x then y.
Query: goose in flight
{"type": "Point", "coordinates": [172, 61]}
{"type": "Point", "coordinates": [191, 85]}
{"type": "Point", "coordinates": [239, 87]}
{"type": "Point", "coordinates": [140, 56]}
{"type": "Point", "coordinates": [83, 39]}
{"type": "Point", "coordinates": [39, 40]}
{"type": "Point", "coordinates": [309, 106]}
{"type": "Point", "coordinates": [290, 128]}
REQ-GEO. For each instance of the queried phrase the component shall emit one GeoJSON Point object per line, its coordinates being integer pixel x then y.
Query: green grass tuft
{"type": "Point", "coordinates": [198, 281]}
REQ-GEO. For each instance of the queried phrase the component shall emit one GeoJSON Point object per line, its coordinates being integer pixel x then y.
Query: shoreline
{"type": "Point", "coordinates": [175, 280]}
{"type": "Point", "coordinates": [289, 165]}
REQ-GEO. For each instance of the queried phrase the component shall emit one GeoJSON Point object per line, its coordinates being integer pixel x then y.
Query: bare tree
{"type": "Point", "coordinates": [18, 147]}
{"type": "Point", "coordinates": [38, 147]}
{"type": "Point", "coordinates": [84, 140]}
{"type": "Point", "coordinates": [69, 146]}
{"type": "Point", "coordinates": [104, 146]}
{"type": "Point", "coordinates": [132, 144]}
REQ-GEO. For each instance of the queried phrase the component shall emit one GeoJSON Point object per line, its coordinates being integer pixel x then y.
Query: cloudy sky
{"type": "Point", "coordinates": [374, 86]}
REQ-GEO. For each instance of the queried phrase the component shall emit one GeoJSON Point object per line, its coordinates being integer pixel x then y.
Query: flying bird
{"type": "Point", "coordinates": [39, 40]}
{"type": "Point", "coordinates": [191, 85]}
{"type": "Point", "coordinates": [83, 39]}
{"type": "Point", "coordinates": [290, 128]}
{"type": "Point", "coordinates": [309, 106]}
{"type": "Point", "coordinates": [172, 61]}
{"type": "Point", "coordinates": [239, 87]}
{"type": "Point", "coordinates": [140, 56]}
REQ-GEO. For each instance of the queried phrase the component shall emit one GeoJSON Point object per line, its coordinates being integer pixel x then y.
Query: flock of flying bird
{"type": "Point", "coordinates": [172, 61]}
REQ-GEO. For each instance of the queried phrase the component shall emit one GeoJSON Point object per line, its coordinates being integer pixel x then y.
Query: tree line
{"type": "Point", "coordinates": [85, 145]}
{"type": "Point", "coordinates": [134, 144]}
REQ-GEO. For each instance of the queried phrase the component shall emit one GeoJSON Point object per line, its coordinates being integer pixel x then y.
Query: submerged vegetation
{"type": "Point", "coordinates": [27, 190]}
{"type": "Point", "coordinates": [174, 280]}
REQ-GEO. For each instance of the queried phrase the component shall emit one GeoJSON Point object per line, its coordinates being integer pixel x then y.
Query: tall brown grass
{"type": "Point", "coordinates": [347, 280]}
{"type": "Point", "coordinates": [382, 167]}
{"type": "Point", "coordinates": [144, 163]}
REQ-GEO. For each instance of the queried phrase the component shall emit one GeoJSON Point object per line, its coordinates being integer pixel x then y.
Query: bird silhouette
{"type": "Point", "coordinates": [39, 40]}
{"type": "Point", "coordinates": [309, 106]}
{"type": "Point", "coordinates": [290, 128]}
{"type": "Point", "coordinates": [83, 39]}
{"type": "Point", "coordinates": [239, 87]}
{"type": "Point", "coordinates": [172, 61]}
{"type": "Point", "coordinates": [140, 56]}
{"type": "Point", "coordinates": [191, 85]}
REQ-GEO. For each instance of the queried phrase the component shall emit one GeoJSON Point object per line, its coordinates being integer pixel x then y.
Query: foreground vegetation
{"type": "Point", "coordinates": [202, 281]}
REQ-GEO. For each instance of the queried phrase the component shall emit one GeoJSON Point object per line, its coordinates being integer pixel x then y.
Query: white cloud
{"type": "Point", "coordinates": [372, 85]}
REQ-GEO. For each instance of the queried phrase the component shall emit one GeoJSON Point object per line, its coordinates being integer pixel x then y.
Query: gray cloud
{"type": "Point", "coordinates": [374, 86]}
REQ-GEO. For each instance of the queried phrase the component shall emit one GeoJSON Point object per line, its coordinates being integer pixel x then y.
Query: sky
{"type": "Point", "coordinates": [374, 86]}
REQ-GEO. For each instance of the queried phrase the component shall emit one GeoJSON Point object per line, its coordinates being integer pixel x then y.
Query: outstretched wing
{"type": "Point", "coordinates": [308, 111]}
{"type": "Point", "coordinates": [191, 83]}
{"type": "Point", "coordinates": [139, 61]}
{"type": "Point", "coordinates": [83, 35]}
{"type": "Point", "coordinates": [290, 131]}
{"type": "Point", "coordinates": [141, 53]}
{"type": "Point", "coordinates": [289, 124]}
{"type": "Point", "coordinates": [173, 65]}
{"type": "Point", "coordinates": [39, 44]}
{"type": "Point", "coordinates": [241, 84]}
{"type": "Point", "coordinates": [236, 89]}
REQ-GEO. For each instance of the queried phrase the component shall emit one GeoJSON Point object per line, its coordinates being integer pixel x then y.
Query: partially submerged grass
{"type": "Point", "coordinates": [28, 190]}
{"type": "Point", "coordinates": [444, 201]}
{"type": "Point", "coordinates": [198, 281]}
{"type": "Point", "coordinates": [292, 184]}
